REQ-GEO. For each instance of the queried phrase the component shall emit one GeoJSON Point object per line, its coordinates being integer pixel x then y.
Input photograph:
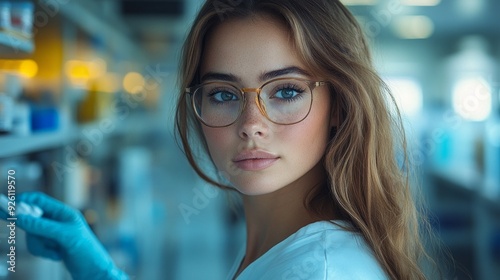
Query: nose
{"type": "Point", "coordinates": [252, 123]}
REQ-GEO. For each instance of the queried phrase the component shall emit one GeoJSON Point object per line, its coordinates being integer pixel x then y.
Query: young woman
{"type": "Point", "coordinates": [282, 97]}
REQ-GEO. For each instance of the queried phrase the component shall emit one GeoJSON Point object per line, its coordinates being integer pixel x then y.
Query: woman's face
{"type": "Point", "coordinates": [256, 155]}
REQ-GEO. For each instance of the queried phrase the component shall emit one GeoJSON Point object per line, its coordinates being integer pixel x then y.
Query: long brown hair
{"type": "Point", "coordinates": [366, 183]}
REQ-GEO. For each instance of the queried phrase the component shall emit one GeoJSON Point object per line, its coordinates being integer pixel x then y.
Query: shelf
{"type": "Point", "coordinates": [90, 18]}
{"type": "Point", "coordinates": [470, 183]}
{"type": "Point", "coordinates": [465, 178]}
{"type": "Point", "coordinates": [14, 43]}
{"type": "Point", "coordinates": [18, 145]}
{"type": "Point", "coordinates": [13, 145]}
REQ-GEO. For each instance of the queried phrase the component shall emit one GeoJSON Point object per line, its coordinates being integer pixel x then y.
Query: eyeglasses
{"type": "Point", "coordinates": [282, 101]}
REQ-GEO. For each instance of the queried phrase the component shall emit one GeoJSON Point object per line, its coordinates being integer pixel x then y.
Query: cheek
{"type": "Point", "coordinates": [316, 126]}
{"type": "Point", "coordinates": [311, 135]}
{"type": "Point", "coordinates": [217, 141]}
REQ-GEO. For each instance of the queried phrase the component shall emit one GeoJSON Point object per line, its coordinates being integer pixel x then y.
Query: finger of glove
{"type": "Point", "coordinates": [42, 227]}
{"type": "Point", "coordinates": [52, 208]}
{"type": "Point", "coordinates": [43, 247]}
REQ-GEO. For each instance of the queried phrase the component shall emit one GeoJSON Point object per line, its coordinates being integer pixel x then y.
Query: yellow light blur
{"type": "Point", "coordinates": [133, 82]}
{"type": "Point", "coordinates": [77, 70]}
{"type": "Point", "coordinates": [413, 27]}
{"type": "Point", "coordinates": [421, 2]}
{"type": "Point", "coordinates": [97, 67]}
{"type": "Point", "coordinates": [109, 83]}
{"type": "Point", "coordinates": [359, 2]}
{"type": "Point", "coordinates": [26, 68]}
{"type": "Point", "coordinates": [8, 65]}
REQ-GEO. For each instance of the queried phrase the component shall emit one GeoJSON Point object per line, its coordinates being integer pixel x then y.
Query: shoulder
{"type": "Point", "coordinates": [323, 250]}
{"type": "Point", "coordinates": [347, 256]}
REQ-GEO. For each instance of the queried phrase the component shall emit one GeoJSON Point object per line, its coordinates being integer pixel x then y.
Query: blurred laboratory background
{"type": "Point", "coordinates": [87, 96]}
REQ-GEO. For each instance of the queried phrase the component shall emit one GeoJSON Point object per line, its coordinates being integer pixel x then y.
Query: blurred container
{"type": "Point", "coordinates": [22, 119]}
{"type": "Point", "coordinates": [6, 113]}
{"type": "Point", "coordinates": [5, 21]}
{"type": "Point", "coordinates": [44, 118]}
{"type": "Point", "coordinates": [96, 105]}
{"type": "Point", "coordinates": [22, 17]}
{"type": "Point", "coordinates": [44, 114]}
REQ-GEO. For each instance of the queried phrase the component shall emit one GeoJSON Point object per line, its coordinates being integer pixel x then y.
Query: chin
{"type": "Point", "coordinates": [253, 192]}
{"type": "Point", "coordinates": [255, 188]}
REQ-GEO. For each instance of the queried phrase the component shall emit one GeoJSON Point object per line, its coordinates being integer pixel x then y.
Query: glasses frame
{"type": "Point", "coordinates": [311, 84]}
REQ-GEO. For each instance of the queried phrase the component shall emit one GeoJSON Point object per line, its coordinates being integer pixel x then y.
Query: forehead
{"type": "Point", "coordinates": [246, 47]}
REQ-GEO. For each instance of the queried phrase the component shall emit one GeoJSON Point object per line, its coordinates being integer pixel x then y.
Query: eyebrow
{"type": "Point", "coordinates": [263, 77]}
{"type": "Point", "coordinates": [283, 71]}
{"type": "Point", "coordinates": [219, 77]}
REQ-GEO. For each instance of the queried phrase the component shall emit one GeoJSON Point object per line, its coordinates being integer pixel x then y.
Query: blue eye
{"type": "Point", "coordinates": [288, 92]}
{"type": "Point", "coordinates": [223, 96]}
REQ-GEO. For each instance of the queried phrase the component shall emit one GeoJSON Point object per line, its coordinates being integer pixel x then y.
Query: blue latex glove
{"type": "Point", "coordinates": [62, 234]}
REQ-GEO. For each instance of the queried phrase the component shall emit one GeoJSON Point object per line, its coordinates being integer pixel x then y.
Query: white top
{"type": "Point", "coordinates": [321, 250]}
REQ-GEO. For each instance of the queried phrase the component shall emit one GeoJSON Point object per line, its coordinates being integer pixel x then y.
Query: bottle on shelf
{"type": "Point", "coordinates": [5, 21]}
{"type": "Point", "coordinates": [44, 114]}
{"type": "Point", "coordinates": [21, 123]}
{"type": "Point", "coordinates": [21, 14]}
{"type": "Point", "coordinates": [6, 113]}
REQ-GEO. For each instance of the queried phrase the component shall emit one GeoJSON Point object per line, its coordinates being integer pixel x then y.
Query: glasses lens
{"type": "Point", "coordinates": [286, 101]}
{"type": "Point", "coordinates": [217, 104]}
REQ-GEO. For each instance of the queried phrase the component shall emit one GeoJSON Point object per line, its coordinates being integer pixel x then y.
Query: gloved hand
{"type": "Point", "coordinates": [62, 234]}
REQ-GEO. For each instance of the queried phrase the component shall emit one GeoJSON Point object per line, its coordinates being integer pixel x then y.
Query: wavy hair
{"type": "Point", "coordinates": [366, 183]}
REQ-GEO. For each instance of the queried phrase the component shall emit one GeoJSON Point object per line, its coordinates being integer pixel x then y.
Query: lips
{"type": "Point", "coordinates": [253, 160]}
